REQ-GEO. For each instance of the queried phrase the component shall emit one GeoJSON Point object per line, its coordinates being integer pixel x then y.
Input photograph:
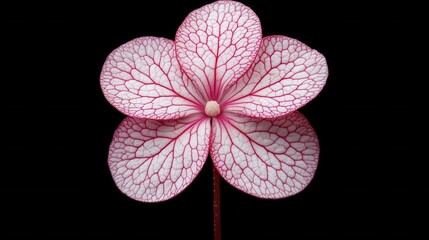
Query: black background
{"type": "Point", "coordinates": [56, 126]}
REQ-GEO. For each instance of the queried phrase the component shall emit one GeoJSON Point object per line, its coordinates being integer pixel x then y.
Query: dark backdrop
{"type": "Point", "coordinates": [56, 126]}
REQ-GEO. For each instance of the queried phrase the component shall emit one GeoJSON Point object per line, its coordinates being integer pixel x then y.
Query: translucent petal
{"type": "Point", "coordinates": [142, 78]}
{"type": "Point", "coordinates": [267, 158]}
{"type": "Point", "coordinates": [216, 44]}
{"type": "Point", "coordinates": [286, 75]}
{"type": "Point", "coordinates": [153, 160]}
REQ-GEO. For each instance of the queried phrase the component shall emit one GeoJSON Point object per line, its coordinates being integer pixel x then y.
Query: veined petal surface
{"type": "Point", "coordinates": [216, 44]}
{"type": "Point", "coordinates": [267, 158]}
{"type": "Point", "coordinates": [142, 78]}
{"type": "Point", "coordinates": [153, 160]}
{"type": "Point", "coordinates": [286, 75]}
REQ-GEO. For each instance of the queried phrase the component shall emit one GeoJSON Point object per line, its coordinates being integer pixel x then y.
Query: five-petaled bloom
{"type": "Point", "coordinates": [218, 88]}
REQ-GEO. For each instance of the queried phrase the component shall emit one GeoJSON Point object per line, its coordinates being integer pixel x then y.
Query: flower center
{"type": "Point", "coordinates": [212, 108]}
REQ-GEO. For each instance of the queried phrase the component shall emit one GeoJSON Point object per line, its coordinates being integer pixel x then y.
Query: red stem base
{"type": "Point", "coordinates": [216, 204]}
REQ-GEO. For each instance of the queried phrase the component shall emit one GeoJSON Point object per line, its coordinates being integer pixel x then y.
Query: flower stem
{"type": "Point", "coordinates": [216, 204]}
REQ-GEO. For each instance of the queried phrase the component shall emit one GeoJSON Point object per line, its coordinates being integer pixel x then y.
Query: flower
{"type": "Point", "coordinates": [221, 89]}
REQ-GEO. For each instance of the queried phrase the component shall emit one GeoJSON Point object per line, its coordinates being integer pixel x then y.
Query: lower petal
{"type": "Point", "coordinates": [267, 158]}
{"type": "Point", "coordinates": [153, 161]}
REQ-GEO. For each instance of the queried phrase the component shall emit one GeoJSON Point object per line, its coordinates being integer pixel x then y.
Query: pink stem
{"type": "Point", "coordinates": [216, 204]}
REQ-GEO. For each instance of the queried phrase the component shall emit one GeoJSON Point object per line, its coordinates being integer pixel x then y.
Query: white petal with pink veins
{"type": "Point", "coordinates": [142, 78]}
{"type": "Point", "coordinates": [217, 43]}
{"type": "Point", "coordinates": [152, 160]}
{"type": "Point", "coordinates": [271, 158]}
{"type": "Point", "coordinates": [286, 75]}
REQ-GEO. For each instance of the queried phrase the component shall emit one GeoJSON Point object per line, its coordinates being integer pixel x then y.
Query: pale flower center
{"type": "Point", "coordinates": [212, 108]}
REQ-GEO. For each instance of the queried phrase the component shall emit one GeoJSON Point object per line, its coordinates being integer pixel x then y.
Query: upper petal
{"type": "Point", "coordinates": [267, 158]}
{"type": "Point", "coordinates": [217, 43]}
{"type": "Point", "coordinates": [153, 160]}
{"type": "Point", "coordinates": [142, 78]}
{"type": "Point", "coordinates": [286, 75]}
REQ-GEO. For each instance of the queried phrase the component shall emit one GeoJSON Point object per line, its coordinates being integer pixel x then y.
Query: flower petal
{"type": "Point", "coordinates": [267, 158]}
{"type": "Point", "coordinates": [142, 78]}
{"type": "Point", "coordinates": [217, 43]}
{"type": "Point", "coordinates": [153, 160]}
{"type": "Point", "coordinates": [286, 75]}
